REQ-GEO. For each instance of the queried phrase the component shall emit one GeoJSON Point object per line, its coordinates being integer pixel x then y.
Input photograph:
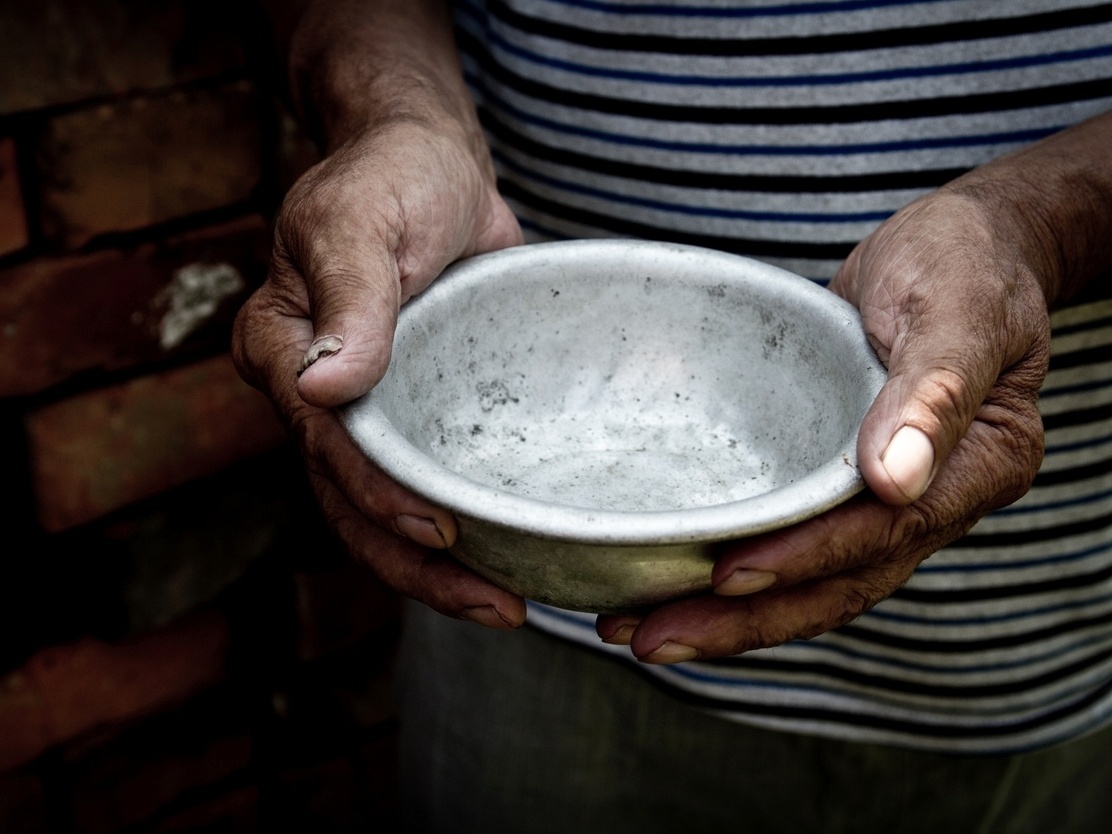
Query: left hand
{"type": "Point", "coordinates": [958, 314]}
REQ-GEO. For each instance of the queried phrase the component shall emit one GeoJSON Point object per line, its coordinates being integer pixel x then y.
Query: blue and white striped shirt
{"type": "Point", "coordinates": [788, 130]}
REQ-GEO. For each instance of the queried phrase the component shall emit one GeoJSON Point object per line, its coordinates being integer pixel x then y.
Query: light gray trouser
{"type": "Point", "coordinates": [521, 732]}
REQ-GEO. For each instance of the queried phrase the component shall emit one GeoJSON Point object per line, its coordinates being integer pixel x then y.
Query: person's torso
{"type": "Point", "coordinates": [787, 131]}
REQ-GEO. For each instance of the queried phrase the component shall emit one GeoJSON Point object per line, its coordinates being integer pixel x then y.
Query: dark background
{"type": "Point", "coordinates": [183, 647]}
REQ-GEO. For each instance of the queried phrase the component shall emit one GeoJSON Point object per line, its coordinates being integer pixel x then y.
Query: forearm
{"type": "Point", "coordinates": [352, 64]}
{"type": "Point", "coordinates": [1053, 200]}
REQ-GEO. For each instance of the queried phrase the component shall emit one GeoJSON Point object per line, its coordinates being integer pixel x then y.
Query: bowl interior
{"type": "Point", "coordinates": [621, 377]}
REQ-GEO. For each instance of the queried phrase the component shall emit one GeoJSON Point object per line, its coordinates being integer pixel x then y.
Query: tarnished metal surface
{"type": "Point", "coordinates": [598, 412]}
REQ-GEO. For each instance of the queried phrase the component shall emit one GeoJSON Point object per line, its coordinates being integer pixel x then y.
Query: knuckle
{"type": "Point", "coordinates": [1013, 436]}
{"type": "Point", "coordinates": [761, 633]}
{"type": "Point", "coordinates": [1020, 454]}
{"type": "Point", "coordinates": [944, 391]}
{"type": "Point", "coordinates": [911, 525]}
{"type": "Point", "coordinates": [865, 589]}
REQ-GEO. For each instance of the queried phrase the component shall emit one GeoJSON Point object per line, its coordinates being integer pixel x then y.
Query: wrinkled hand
{"type": "Point", "coordinates": [960, 319]}
{"type": "Point", "coordinates": [357, 236]}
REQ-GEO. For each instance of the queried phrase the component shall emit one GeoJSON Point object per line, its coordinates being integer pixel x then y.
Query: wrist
{"type": "Point", "coordinates": [1051, 204]}
{"type": "Point", "coordinates": [357, 66]}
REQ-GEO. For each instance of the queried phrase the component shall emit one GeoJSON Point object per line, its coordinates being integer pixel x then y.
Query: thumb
{"type": "Point", "coordinates": [952, 359]}
{"type": "Point", "coordinates": [901, 443]}
{"type": "Point", "coordinates": [932, 396]}
{"type": "Point", "coordinates": [354, 305]}
{"type": "Point", "coordinates": [962, 326]}
{"type": "Point", "coordinates": [354, 313]}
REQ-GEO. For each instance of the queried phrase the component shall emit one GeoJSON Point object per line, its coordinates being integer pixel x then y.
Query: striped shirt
{"type": "Point", "coordinates": [787, 130]}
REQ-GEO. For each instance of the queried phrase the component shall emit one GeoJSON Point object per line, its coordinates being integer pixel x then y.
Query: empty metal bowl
{"type": "Point", "coordinates": [598, 413]}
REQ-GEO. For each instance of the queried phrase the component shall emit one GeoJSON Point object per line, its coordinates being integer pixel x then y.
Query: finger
{"type": "Point", "coordinates": [429, 576]}
{"type": "Point", "coordinates": [270, 333]}
{"type": "Point", "coordinates": [332, 456]}
{"type": "Point", "coordinates": [926, 410]}
{"type": "Point", "coordinates": [948, 328]}
{"type": "Point", "coordinates": [822, 547]}
{"type": "Point", "coordinates": [361, 258]}
{"type": "Point", "coordinates": [854, 534]}
{"type": "Point", "coordinates": [992, 467]}
{"type": "Point", "coordinates": [328, 450]}
{"type": "Point", "coordinates": [357, 288]}
{"type": "Point", "coordinates": [712, 627]}
{"type": "Point", "coordinates": [501, 231]}
{"type": "Point", "coordinates": [616, 629]}
{"type": "Point", "coordinates": [831, 569]}
{"type": "Point", "coordinates": [338, 468]}
{"type": "Point", "coordinates": [354, 295]}
{"type": "Point", "coordinates": [816, 549]}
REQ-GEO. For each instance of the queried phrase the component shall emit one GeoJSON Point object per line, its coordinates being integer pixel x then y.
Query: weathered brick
{"type": "Point", "coordinates": [134, 163]}
{"type": "Point", "coordinates": [13, 220]}
{"type": "Point", "coordinates": [114, 310]}
{"type": "Point", "coordinates": [65, 691]}
{"type": "Point", "coordinates": [62, 51]}
{"type": "Point", "coordinates": [100, 451]}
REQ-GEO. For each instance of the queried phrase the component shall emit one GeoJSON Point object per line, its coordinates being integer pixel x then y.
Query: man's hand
{"type": "Point", "coordinates": [953, 291]}
{"type": "Point", "coordinates": [406, 189]}
{"type": "Point", "coordinates": [958, 312]}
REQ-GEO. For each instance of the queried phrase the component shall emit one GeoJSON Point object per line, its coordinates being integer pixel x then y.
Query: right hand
{"type": "Point", "coordinates": [357, 236]}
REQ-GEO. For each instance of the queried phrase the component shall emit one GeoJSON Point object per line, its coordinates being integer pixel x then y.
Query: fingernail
{"type": "Point", "coordinates": [909, 460]}
{"type": "Point", "coordinates": [745, 581]}
{"type": "Point", "coordinates": [670, 652]}
{"type": "Point", "coordinates": [321, 347]}
{"type": "Point", "coordinates": [622, 635]}
{"type": "Point", "coordinates": [420, 530]}
{"type": "Point", "coordinates": [485, 615]}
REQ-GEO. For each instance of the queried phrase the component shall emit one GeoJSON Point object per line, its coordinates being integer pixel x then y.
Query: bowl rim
{"type": "Point", "coordinates": [839, 476]}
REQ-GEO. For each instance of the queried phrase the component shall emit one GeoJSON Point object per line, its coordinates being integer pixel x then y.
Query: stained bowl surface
{"type": "Point", "coordinates": [598, 413]}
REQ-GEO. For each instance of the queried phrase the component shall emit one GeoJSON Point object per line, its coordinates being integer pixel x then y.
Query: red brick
{"type": "Point", "coordinates": [103, 450]}
{"type": "Point", "coordinates": [131, 164]}
{"type": "Point", "coordinates": [13, 220]}
{"type": "Point", "coordinates": [65, 691]}
{"type": "Point", "coordinates": [64, 51]}
{"type": "Point", "coordinates": [114, 310]}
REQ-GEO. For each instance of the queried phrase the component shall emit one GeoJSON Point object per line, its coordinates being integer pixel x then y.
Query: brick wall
{"type": "Point", "coordinates": [183, 646]}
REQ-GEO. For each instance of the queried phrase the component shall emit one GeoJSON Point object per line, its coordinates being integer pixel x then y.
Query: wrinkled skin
{"type": "Point", "coordinates": [953, 291]}
{"type": "Point", "coordinates": [964, 330]}
{"type": "Point", "coordinates": [357, 236]}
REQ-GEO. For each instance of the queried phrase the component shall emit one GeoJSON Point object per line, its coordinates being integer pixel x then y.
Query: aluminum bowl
{"type": "Point", "coordinates": [598, 413]}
